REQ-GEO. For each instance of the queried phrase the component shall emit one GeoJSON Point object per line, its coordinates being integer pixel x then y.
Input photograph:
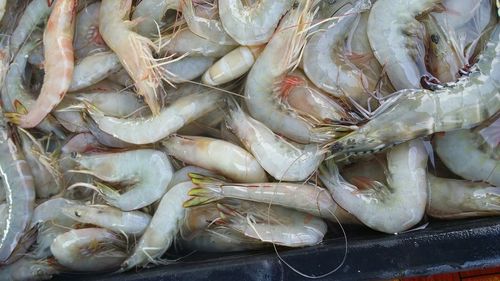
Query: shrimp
{"type": "Point", "coordinates": [89, 249]}
{"type": "Point", "coordinates": [35, 13]}
{"type": "Point", "coordinates": [255, 24]}
{"type": "Point", "coordinates": [203, 152]}
{"type": "Point", "coordinates": [210, 29]}
{"type": "Point", "coordinates": [185, 41]}
{"type": "Point", "coordinates": [187, 68]}
{"type": "Point", "coordinates": [81, 143]}
{"type": "Point", "coordinates": [149, 15]}
{"type": "Point", "coordinates": [415, 113]}
{"type": "Point", "coordinates": [17, 181]}
{"type": "Point", "coordinates": [93, 69]}
{"type": "Point", "coordinates": [28, 268]}
{"type": "Point", "coordinates": [455, 199]}
{"type": "Point", "coordinates": [273, 224]}
{"type": "Point", "coordinates": [279, 56]}
{"type": "Point", "coordinates": [282, 159]}
{"type": "Point", "coordinates": [390, 208]}
{"type": "Point", "coordinates": [460, 151]}
{"type": "Point", "coordinates": [163, 228]}
{"type": "Point", "coordinates": [154, 128]}
{"type": "Point", "coordinates": [326, 65]}
{"type": "Point", "coordinates": [132, 49]}
{"type": "Point", "coordinates": [307, 198]}
{"type": "Point", "coordinates": [87, 37]}
{"type": "Point", "coordinates": [396, 39]}
{"type": "Point", "coordinates": [144, 183]}
{"type": "Point", "coordinates": [15, 94]}
{"type": "Point", "coordinates": [232, 66]}
{"type": "Point", "coordinates": [59, 64]}
{"type": "Point", "coordinates": [133, 222]}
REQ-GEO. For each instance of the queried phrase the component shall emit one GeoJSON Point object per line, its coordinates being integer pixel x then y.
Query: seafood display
{"type": "Point", "coordinates": [134, 131]}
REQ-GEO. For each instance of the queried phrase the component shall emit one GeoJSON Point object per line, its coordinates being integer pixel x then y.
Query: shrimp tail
{"type": "Point", "coordinates": [106, 191]}
{"type": "Point", "coordinates": [209, 190]}
{"type": "Point", "coordinates": [491, 134]}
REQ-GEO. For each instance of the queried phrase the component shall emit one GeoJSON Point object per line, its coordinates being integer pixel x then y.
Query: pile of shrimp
{"type": "Point", "coordinates": [133, 128]}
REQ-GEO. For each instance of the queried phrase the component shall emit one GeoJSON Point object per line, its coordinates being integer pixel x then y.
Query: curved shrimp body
{"type": "Point", "coordinates": [133, 222]}
{"type": "Point", "coordinates": [392, 208]}
{"type": "Point", "coordinates": [89, 249]}
{"type": "Point", "coordinates": [460, 152]}
{"type": "Point", "coordinates": [255, 24]}
{"type": "Point", "coordinates": [59, 63]}
{"type": "Point", "coordinates": [132, 49]}
{"type": "Point", "coordinates": [414, 113]}
{"type": "Point", "coordinates": [282, 159]}
{"type": "Point", "coordinates": [305, 198]}
{"type": "Point", "coordinates": [273, 224]}
{"type": "Point", "coordinates": [273, 63]}
{"type": "Point", "coordinates": [88, 39]}
{"type": "Point", "coordinates": [326, 65]}
{"type": "Point", "coordinates": [210, 29]}
{"type": "Point", "coordinates": [454, 199]}
{"type": "Point", "coordinates": [93, 69]}
{"type": "Point", "coordinates": [232, 66]}
{"type": "Point", "coordinates": [203, 152]}
{"type": "Point", "coordinates": [147, 173]}
{"type": "Point", "coordinates": [164, 226]}
{"type": "Point", "coordinates": [18, 184]}
{"type": "Point", "coordinates": [154, 128]}
{"type": "Point", "coordinates": [150, 13]}
{"type": "Point", "coordinates": [396, 39]}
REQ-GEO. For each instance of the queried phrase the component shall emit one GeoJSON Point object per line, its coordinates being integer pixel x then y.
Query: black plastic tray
{"type": "Point", "coordinates": [444, 246]}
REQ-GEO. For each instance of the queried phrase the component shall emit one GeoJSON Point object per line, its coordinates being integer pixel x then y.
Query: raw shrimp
{"type": "Point", "coordinates": [105, 138]}
{"type": "Point", "coordinates": [255, 24]}
{"type": "Point", "coordinates": [309, 102]}
{"type": "Point", "coordinates": [210, 29]}
{"type": "Point", "coordinates": [132, 49]}
{"type": "Point", "coordinates": [305, 198]}
{"type": "Point", "coordinates": [59, 63]}
{"type": "Point", "coordinates": [396, 39]}
{"type": "Point", "coordinates": [185, 41]}
{"type": "Point", "coordinates": [414, 113]}
{"type": "Point", "coordinates": [29, 268]}
{"type": "Point", "coordinates": [50, 210]}
{"type": "Point", "coordinates": [88, 40]}
{"type": "Point", "coordinates": [89, 249]}
{"type": "Point", "coordinates": [390, 208]}
{"type": "Point", "coordinates": [187, 68]}
{"type": "Point", "coordinates": [154, 128]}
{"type": "Point", "coordinates": [17, 181]}
{"type": "Point", "coordinates": [455, 199]}
{"type": "Point", "coordinates": [203, 152]}
{"type": "Point", "coordinates": [276, 60]}
{"type": "Point", "coordinates": [15, 94]}
{"type": "Point", "coordinates": [273, 224]}
{"type": "Point", "coordinates": [133, 222]}
{"type": "Point", "coordinates": [81, 143]}
{"type": "Point", "coordinates": [149, 15]}
{"type": "Point", "coordinates": [145, 174]}
{"type": "Point", "coordinates": [163, 228]}
{"type": "Point", "coordinates": [35, 13]}
{"type": "Point", "coordinates": [93, 69]}
{"type": "Point", "coordinates": [232, 66]}
{"type": "Point", "coordinates": [461, 152]}
{"type": "Point", "coordinates": [327, 66]}
{"type": "Point", "coordinates": [182, 175]}
{"type": "Point", "coordinates": [282, 159]}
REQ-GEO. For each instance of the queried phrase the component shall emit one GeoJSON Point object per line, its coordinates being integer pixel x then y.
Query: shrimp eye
{"type": "Point", "coordinates": [74, 154]}
{"type": "Point", "coordinates": [435, 38]}
{"type": "Point", "coordinates": [77, 214]}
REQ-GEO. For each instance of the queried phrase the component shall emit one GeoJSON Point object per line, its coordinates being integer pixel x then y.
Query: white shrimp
{"type": "Point", "coordinates": [203, 152]}
{"type": "Point", "coordinates": [93, 69]}
{"type": "Point", "coordinates": [282, 159]}
{"type": "Point", "coordinates": [414, 113]}
{"type": "Point", "coordinates": [232, 66]}
{"type": "Point", "coordinates": [254, 24]}
{"type": "Point", "coordinates": [88, 40]}
{"type": "Point", "coordinates": [133, 222]}
{"type": "Point", "coordinates": [326, 64]}
{"type": "Point", "coordinates": [390, 208]}
{"type": "Point", "coordinates": [163, 228]}
{"type": "Point", "coordinates": [461, 152]}
{"type": "Point", "coordinates": [454, 199]}
{"type": "Point", "coordinates": [81, 143]}
{"type": "Point", "coordinates": [187, 68]}
{"type": "Point", "coordinates": [396, 39]}
{"type": "Point", "coordinates": [154, 128]}
{"type": "Point", "coordinates": [185, 41]}
{"type": "Point", "coordinates": [149, 15]}
{"type": "Point", "coordinates": [305, 198]}
{"type": "Point", "coordinates": [89, 249]}
{"type": "Point", "coordinates": [145, 174]}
